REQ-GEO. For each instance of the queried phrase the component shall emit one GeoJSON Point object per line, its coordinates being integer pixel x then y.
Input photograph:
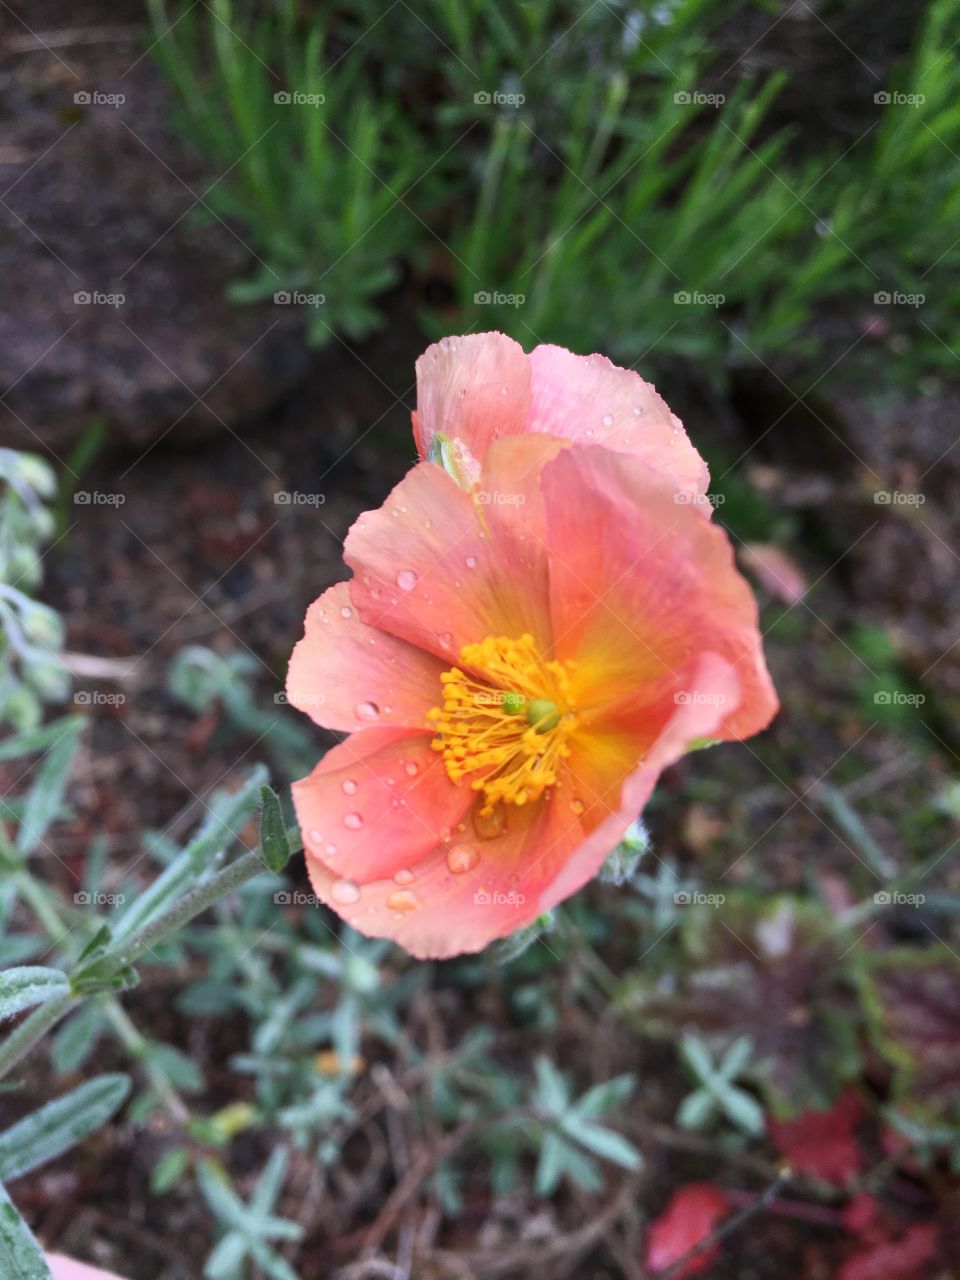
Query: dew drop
{"type": "Point", "coordinates": [446, 639]}
{"type": "Point", "coordinates": [576, 806]}
{"type": "Point", "coordinates": [345, 892]}
{"type": "Point", "coordinates": [316, 836]}
{"type": "Point", "coordinates": [367, 711]}
{"type": "Point", "coordinates": [330, 850]}
{"type": "Point", "coordinates": [346, 612]}
{"type": "Point", "coordinates": [404, 876]}
{"type": "Point", "coordinates": [411, 770]}
{"type": "Point", "coordinates": [471, 562]}
{"type": "Point", "coordinates": [461, 859]}
{"type": "Point", "coordinates": [403, 900]}
{"type": "Point", "coordinates": [608, 419]}
{"type": "Point", "coordinates": [353, 820]}
{"type": "Point", "coordinates": [637, 410]}
{"type": "Point", "coordinates": [490, 825]}
{"type": "Point", "coordinates": [406, 579]}
{"type": "Point", "coordinates": [349, 787]}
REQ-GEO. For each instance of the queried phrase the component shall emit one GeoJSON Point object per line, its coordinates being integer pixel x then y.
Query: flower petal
{"type": "Point", "coordinates": [485, 884]}
{"type": "Point", "coordinates": [346, 675]}
{"type": "Point", "coordinates": [377, 803]}
{"type": "Point", "coordinates": [592, 401]}
{"type": "Point", "coordinates": [475, 389]}
{"type": "Point", "coordinates": [640, 583]}
{"type": "Point", "coordinates": [427, 570]}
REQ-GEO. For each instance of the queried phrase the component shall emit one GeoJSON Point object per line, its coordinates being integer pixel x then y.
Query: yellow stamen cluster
{"type": "Point", "coordinates": [505, 720]}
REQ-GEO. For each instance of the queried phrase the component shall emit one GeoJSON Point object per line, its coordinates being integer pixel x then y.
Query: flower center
{"type": "Point", "coordinates": [506, 720]}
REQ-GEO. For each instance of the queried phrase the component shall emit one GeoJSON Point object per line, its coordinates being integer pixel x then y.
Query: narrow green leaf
{"type": "Point", "coordinates": [20, 1255]}
{"type": "Point", "coordinates": [46, 794]}
{"type": "Point", "coordinates": [274, 844]}
{"type": "Point", "coordinates": [22, 988]}
{"type": "Point", "coordinates": [59, 1125]}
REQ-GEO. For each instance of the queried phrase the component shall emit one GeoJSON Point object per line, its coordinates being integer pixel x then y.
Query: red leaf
{"type": "Point", "coordinates": [903, 1259]}
{"type": "Point", "coordinates": [822, 1143]}
{"type": "Point", "coordinates": [693, 1212]}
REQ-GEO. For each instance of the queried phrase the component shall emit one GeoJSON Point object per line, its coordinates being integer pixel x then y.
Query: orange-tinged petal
{"type": "Point", "coordinates": [483, 885]}
{"type": "Point", "coordinates": [425, 569]}
{"type": "Point", "coordinates": [475, 388]}
{"type": "Point", "coordinates": [640, 584]}
{"type": "Point", "coordinates": [346, 675]}
{"type": "Point", "coordinates": [589, 400]}
{"type": "Point", "coordinates": [377, 803]}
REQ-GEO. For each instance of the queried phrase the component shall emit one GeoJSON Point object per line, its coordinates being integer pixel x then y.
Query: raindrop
{"type": "Point", "coordinates": [346, 612]}
{"type": "Point", "coordinates": [471, 562]}
{"type": "Point", "coordinates": [404, 876]}
{"type": "Point", "coordinates": [349, 787]}
{"type": "Point", "coordinates": [403, 900]}
{"type": "Point", "coordinates": [461, 859]}
{"type": "Point", "coordinates": [316, 836]}
{"type": "Point", "coordinates": [490, 825]}
{"type": "Point", "coordinates": [608, 419]}
{"type": "Point", "coordinates": [576, 806]}
{"type": "Point", "coordinates": [353, 820]}
{"type": "Point", "coordinates": [637, 410]}
{"type": "Point", "coordinates": [412, 769]}
{"type": "Point", "coordinates": [446, 639]}
{"type": "Point", "coordinates": [345, 892]}
{"type": "Point", "coordinates": [367, 711]}
{"type": "Point", "coordinates": [330, 850]}
{"type": "Point", "coordinates": [406, 579]}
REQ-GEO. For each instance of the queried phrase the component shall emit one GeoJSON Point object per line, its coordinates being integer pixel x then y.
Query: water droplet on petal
{"type": "Point", "coordinates": [406, 579]}
{"type": "Point", "coordinates": [353, 820]}
{"type": "Point", "coordinates": [608, 419]}
{"type": "Point", "coordinates": [316, 836]}
{"type": "Point", "coordinates": [349, 787]}
{"type": "Point", "coordinates": [411, 770]}
{"type": "Point", "coordinates": [346, 612]}
{"type": "Point", "coordinates": [403, 900]}
{"type": "Point", "coordinates": [367, 711]}
{"type": "Point", "coordinates": [345, 892]}
{"type": "Point", "coordinates": [330, 850]}
{"type": "Point", "coordinates": [637, 410]}
{"type": "Point", "coordinates": [404, 876]}
{"type": "Point", "coordinates": [471, 562]}
{"type": "Point", "coordinates": [461, 859]}
{"type": "Point", "coordinates": [446, 639]}
{"type": "Point", "coordinates": [576, 806]}
{"type": "Point", "coordinates": [490, 825]}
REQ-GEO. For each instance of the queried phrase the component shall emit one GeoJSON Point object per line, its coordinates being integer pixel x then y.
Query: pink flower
{"type": "Point", "coordinates": [478, 388]}
{"type": "Point", "coordinates": [515, 666]}
{"type": "Point", "coordinates": [62, 1268]}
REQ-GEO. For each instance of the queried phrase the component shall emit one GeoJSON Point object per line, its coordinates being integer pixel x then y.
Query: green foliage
{"type": "Point", "coordinates": [59, 1125]}
{"type": "Point", "coordinates": [249, 1230]}
{"type": "Point", "coordinates": [717, 1094]}
{"type": "Point", "coordinates": [31, 634]}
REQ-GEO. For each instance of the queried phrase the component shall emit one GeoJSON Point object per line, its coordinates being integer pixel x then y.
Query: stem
{"type": "Point", "coordinates": [33, 1028]}
{"type": "Point", "coordinates": [198, 900]}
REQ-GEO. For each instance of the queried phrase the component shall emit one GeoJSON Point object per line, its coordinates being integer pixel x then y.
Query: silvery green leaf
{"type": "Point", "coordinates": [28, 986]}
{"type": "Point", "coordinates": [61, 1124]}
{"type": "Point", "coordinates": [20, 1255]}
